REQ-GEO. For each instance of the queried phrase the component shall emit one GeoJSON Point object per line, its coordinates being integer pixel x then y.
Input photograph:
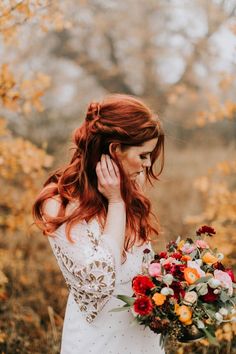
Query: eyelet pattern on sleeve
{"type": "Point", "coordinates": [88, 268]}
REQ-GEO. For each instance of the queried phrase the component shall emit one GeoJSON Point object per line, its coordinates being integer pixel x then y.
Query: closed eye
{"type": "Point", "coordinates": [143, 157]}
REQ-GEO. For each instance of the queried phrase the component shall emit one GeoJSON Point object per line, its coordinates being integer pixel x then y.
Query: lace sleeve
{"type": "Point", "coordinates": [88, 266]}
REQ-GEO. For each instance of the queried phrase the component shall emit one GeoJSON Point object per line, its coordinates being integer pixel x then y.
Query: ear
{"type": "Point", "coordinates": [114, 148]}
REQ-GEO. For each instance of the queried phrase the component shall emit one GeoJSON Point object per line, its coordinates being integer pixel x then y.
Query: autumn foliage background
{"type": "Point", "coordinates": [57, 56]}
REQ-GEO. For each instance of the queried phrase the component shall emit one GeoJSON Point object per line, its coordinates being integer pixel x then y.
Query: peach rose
{"type": "Point", "coordinates": [159, 299]}
{"type": "Point", "coordinates": [185, 314]}
{"type": "Point", "coordinates": [209, 258]}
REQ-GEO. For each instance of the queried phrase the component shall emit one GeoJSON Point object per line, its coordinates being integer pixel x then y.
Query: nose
{"type": "Point", "coordinates": [147, 162]}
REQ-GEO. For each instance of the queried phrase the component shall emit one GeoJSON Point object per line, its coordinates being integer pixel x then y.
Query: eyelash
{"type": "Point", "coordinates": [143, 157]}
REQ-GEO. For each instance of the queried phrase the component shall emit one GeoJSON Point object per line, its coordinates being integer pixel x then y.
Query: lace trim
{"type": "Point", "coordinates": [91, 281]}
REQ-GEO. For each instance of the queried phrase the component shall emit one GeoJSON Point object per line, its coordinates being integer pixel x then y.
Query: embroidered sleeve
{"type": "Point", "coordinates": [88, 267]}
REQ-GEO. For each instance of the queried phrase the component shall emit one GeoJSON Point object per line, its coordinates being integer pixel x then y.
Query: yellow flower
{"type": "Point", "coordinates": [180, 244]}
{"type": "Point", "coordinates": [191, 275]}
{"type": "Point", "coordinates": [208, 258]}
{"type": "Point", "coordinates": [185, 314]}
{"type": "Point", "coordinates": [159, 299]}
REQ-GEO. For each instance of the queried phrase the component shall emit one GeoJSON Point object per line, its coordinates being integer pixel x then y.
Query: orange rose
{"type": "Point", "coordinates": [185, 314]}
{"type": "Point", "coordinates": [186, 258]}
{"type": "Point", "coordinates": [159, 299]}
{"type": "Point", "coordinates": [191, 275]}
{"type": "Point", "coordinates": [208, 258]}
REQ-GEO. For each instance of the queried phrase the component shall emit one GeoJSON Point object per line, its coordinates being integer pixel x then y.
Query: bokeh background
{"type": "Point", "coordinates": [56, 57]}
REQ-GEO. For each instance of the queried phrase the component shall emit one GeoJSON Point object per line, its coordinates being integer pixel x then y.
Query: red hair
{"type": "Point", "coordinates": [120, 119]}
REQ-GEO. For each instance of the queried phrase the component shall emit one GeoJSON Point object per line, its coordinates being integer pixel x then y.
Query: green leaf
{"type": "Point", "coordinates": [119, 309]}
{"type": "Point", "coordinates": [193, 254]}
{"type": "Point", "coordinates": [191, 287]}
{"type": "Point", "coordinates": [210, 337]}
{"type": "Point", "coordinates": [127, 299]}
{"type": "Point", "coordinates": [203, 279]}
{"type": "Point", "coordinates": [224, 296]}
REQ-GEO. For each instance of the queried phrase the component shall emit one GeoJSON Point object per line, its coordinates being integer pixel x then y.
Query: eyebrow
{"type": "Point", "coordinates": [146, 152]}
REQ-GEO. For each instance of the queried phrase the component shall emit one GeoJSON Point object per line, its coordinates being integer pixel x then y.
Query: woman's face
{"type": "Point", "coordinates": [135, 159]}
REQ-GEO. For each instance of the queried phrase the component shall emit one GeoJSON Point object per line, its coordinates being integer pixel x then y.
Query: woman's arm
{"type": "Point", "coordinates": [109, 185]}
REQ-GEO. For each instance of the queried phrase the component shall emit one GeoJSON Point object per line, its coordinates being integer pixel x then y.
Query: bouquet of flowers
{"type": "Point", "coordinates": [185, 292]}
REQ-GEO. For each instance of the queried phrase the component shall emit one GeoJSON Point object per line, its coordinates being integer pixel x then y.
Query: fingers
{"type": "Point", "coordinates": [109, 168]}
{"type": "Point", "coordinates": [112, 168]}
{"type": "Point", "coordinates": [101, 178]}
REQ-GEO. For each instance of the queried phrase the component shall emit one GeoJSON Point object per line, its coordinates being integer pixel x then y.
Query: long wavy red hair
{"type": "Point", "coordinates": [120, 119]}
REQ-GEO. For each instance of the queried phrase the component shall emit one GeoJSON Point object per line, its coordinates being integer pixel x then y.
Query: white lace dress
{"type": "Point", "coordinates": [94, 275]}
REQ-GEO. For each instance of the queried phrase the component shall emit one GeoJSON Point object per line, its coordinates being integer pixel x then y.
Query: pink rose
{"type": "Point", "coordinates": [225, 280]}
{"type": "Point", "coordinates": [231, 273]}
{"type": "Point", "coordinates": [188, 248]}
{"type": "Point", "coordinates": [202, 244]}
{"type": "Point", "coordinates": [154, 269]}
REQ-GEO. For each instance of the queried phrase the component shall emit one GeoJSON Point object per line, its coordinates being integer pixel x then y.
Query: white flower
{"type": "Point", "coordinates": [196, 265]}
{"type": "Point", "coordinates": [216, 291]}
{"type": "Point", "coordinates": [213, 283]}
{"type": "Point", "coordinates": [178, 240]}
{"type": "Point", "coordinates": [167, 279]}
{"type": "Point", "coordinates": [233, 311]}
{"type": "Point", "coordinates": [218, 317]}
{"type": "Point", "coordinates": [220, 256]}
{"type": "Point", "coordinates": [167, 291]}
{"type": "Point", "coordinates": [223, 311]}
{"type": "Point", "coordinates": [200, 324]}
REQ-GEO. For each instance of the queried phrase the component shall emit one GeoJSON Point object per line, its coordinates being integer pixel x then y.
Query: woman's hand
{"type": "Point", "coordinates": [109, 179]}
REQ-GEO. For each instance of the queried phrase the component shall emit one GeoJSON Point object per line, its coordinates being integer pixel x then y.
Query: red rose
{"type": "Point", "coordinates": [219, 266]}
{"type": "Point", "coordinates": [143, 305]}
{"type": "Point", "coordinates": [206, 230]}
{"type": "Point", "coordinates": [210, 296]}
{"type": "Point", "coordinates": [231, 273]}
{"type": "Point", "coordinates": [141, 284]}
{"type": "Point", "coordinates": [176, 255]}
{"type": "Point", "coordinates": [178, 290]}
{"type": "Point", "coordinates": [167, 267]}
{"type": "Point", "coordinates": [177, 270]}
{"type": "Point", "coordinates": [163, 255]}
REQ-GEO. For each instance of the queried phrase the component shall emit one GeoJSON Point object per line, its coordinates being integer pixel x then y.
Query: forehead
{"type": "Point", "coordinates": [146, 147]}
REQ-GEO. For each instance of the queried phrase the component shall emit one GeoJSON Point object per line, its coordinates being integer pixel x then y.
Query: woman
{"type": "Point", "coordinates": [99, 223]}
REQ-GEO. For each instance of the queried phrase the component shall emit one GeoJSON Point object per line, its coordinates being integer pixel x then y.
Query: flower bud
{"type": "Point", "coordinates": [167, 279]}
{"type": "Point", "coordinates": [223, 311]}
{"type": "Point", "coordinates": [220, 256]}
{"type": "Point", "coordinates": [218, 317]}
{"type": "Point", "coordinates": [200, 324]}
{"type": "Point", "coordinates": [167, 291]}
{"type": "Point", "coordinates": [216, 291]}
{"type": "Point", "coordinates": [213, 283]}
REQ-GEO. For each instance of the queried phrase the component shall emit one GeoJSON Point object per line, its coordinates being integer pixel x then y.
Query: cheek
{"type": "Point", "coordinates": [134, 161]}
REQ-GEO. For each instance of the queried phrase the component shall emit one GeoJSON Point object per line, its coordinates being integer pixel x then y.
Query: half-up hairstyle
{"type": "Point", "coordinates": [120, 119]}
